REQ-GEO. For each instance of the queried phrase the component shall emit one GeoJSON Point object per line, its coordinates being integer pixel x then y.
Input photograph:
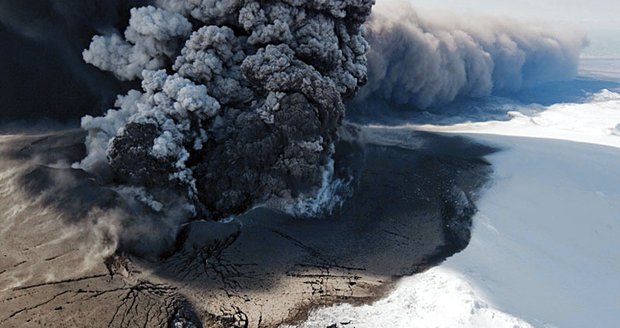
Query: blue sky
{"type": "Point", "coordinates": [600, 19]}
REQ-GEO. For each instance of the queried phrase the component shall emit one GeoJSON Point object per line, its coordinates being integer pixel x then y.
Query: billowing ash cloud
{"type": "Point", "coordinates": [240, 100]}
{"type": "Point", "coordinates": [429, 61]}
{"type": "Point", "coordinates": [151, 41]}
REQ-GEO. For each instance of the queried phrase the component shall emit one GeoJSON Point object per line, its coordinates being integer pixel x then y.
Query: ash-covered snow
{"type": "Point", "coordinates": [437, 298]}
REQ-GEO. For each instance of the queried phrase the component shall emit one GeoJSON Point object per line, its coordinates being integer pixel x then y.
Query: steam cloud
{"type": "Point", "coordinates": [426, 62]}
{"type": "Point", "coordinates": [240, 100]}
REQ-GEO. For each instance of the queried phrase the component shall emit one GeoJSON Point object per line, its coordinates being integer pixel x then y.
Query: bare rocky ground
{"type": "Point", "coordinates": [62, 263]}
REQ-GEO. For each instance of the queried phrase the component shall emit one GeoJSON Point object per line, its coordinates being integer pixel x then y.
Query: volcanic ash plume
{"type": "Point", "coordinates": [240, 100]}
{"type": "Point", "coordinates": [432, 60]}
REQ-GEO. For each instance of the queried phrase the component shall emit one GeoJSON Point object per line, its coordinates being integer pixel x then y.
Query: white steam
{"type": "Point", "coordinates": [151, 39]}
{"type": "Point", "coordinates": [432, 60]}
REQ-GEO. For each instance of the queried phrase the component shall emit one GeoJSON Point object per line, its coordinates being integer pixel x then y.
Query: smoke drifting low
{"type": "Point", "coordinates": [432, 60]}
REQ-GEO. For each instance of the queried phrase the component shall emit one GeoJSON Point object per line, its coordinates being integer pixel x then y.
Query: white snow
{"type": "Point", "coordinates": [594, 121]}
{"type": "Point", "coordinates": [545, 244]}
{"type": "Point", "coordinates": [545, 247]}
{"type": "Point", "coordinates": [437, 298]}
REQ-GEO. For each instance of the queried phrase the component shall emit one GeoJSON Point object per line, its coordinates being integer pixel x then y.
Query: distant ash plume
{"type": "Point", "coordinates": [240, 102]}
{"type": "Point", "coordinates": [427, 61]}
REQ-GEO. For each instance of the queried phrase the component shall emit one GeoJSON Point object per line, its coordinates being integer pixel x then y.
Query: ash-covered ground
{"type": "Point", "coordinates": [76, 252]}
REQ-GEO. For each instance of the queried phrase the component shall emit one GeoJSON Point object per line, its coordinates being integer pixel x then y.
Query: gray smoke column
{"type": "Point", "coordinates": [240, 100]}
{"type": "Point", "coordinates": [432, 60]}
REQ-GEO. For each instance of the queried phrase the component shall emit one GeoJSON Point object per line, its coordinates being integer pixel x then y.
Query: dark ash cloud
{"type": "Point", "coordinates": [240, 101]}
